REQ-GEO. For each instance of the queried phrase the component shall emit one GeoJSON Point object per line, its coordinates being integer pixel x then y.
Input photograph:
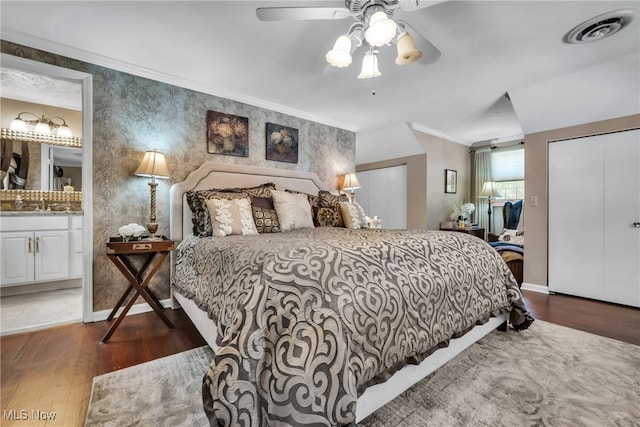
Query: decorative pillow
{"type": "Point", "coordinates": [294, 210]}
{"type": "Point", "coordinates": [196, 199]}
{"type": "Point", "coordinates": [200, 218]}
{"type": "Point", "coordinates": [314, 201]}
{"type": "Point", "coordinates": [330, 200]}
{"type": "Point", "coordinates": [512, 236]}
{"type": "Point", "coordinates": [353, 215]}
{"type": "Point", "coordinates": [265, 215]}
{"type": "Point", "coordinates": [231, 217]}
{"type": "Point", "coordinates": [325, 217]}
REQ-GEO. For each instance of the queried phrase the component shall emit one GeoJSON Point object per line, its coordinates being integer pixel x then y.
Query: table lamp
{"type": "Point", "coordinates": [350, 182]}
{"type": "Point", "coordinates": [154, 165]}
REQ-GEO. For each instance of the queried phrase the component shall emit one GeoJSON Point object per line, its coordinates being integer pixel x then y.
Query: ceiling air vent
{"type": "Point", "coordinates": [601, 26]}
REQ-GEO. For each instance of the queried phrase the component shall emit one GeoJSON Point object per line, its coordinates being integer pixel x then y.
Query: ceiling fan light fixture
{"type": "Point", "coordinates": [381, 29]}
{"type": "Point", "coordinates": [407, 52]}
{"type": "Point", "coordinates": [369, 66]}
{"type": "Point", "coordinates": [340, 55]}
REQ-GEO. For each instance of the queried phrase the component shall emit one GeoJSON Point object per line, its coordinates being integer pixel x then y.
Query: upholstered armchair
{"type": "Point", "coordinates": [510, 243]}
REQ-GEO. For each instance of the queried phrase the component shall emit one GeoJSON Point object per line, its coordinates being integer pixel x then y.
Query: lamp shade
{"type": "Point", "coordinates": [63, 130]}
{"type": "Point", "coordinates": [489, 190]}
{"type": "Point", "coordinates": [381, 29]}
{"type": "Point", "coordinates": [350, 182]}
{"type": "Point", "coordinates": [153, 165]}
{"type": "Point", "coordinates": [19, 125]}
{"type": "Point", "coordinates": [369, 66]}
{"type": "Point", "coordinates": [340, 55]}
{"type": "Point", "coordinates": [407, 52]}
{"type": "Point", "coordinates": [42, 127]}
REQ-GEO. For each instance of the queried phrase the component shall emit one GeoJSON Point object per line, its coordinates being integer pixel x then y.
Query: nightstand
{"type": "Point", "coordinates": [155, 252]}
{"type": "Point", "coordinates": [476, 231]}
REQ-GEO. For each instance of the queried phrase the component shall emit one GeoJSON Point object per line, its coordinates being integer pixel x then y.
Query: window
{"type": "Point", "coordinates": [510, 190]}
{"type": "Point", "coordinates": [507, 168]}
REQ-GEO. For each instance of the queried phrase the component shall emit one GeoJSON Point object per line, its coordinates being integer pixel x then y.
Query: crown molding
{"type": "Point", "coordinates": [137, 70]}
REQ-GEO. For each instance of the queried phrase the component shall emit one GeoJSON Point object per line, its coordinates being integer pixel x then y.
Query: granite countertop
{"type": "Point", "coordinates": [41, 213]}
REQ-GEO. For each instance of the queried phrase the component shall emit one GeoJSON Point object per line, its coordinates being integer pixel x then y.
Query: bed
{"type": "Point", "coordinates": [322, 326]}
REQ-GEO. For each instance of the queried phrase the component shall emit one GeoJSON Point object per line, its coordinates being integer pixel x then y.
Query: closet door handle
{"type": "Point", "coordinates": [29, 242]}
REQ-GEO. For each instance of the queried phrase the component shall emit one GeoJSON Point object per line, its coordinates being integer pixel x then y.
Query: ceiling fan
{"type": "Point", "coordinates": [374, 24]}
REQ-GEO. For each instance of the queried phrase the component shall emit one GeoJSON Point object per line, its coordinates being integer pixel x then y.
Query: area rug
{"type": "Point", "coordinates": [548, 375]}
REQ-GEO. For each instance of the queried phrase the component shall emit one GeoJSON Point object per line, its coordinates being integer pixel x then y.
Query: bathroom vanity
{"type": "Point", "coordinates": [40, 247]}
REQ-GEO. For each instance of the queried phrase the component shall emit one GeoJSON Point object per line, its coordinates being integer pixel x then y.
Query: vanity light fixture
{"type": "Point", "coordinates": [153, 165]}
{"type": "Point", "coordinates": [41, 125]}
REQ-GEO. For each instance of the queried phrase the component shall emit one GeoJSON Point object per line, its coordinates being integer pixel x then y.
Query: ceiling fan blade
{"type": "Point", "coordinates": [301, 13]}
{"type": "Point", "coordinates": [430, 53]}
{"type": "Point", "coordinates": [411, 5]}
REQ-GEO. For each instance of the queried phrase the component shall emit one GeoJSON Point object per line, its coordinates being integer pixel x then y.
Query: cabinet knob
{"type": "Point", "coordinates": [636, 224]}
{"type": "Point", "coordinates": [29, 241]}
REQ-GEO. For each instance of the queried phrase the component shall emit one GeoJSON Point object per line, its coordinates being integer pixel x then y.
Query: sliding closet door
{"type": "Point", "coordinates": [621, 210]}
{"type": "Point", "coordinates": [385, 195]}
{"type": "Point", "coordinates": [594, 201]}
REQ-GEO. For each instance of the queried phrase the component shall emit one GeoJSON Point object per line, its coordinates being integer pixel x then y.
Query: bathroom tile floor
{"type": "Point", "coordinates": [20, 313]}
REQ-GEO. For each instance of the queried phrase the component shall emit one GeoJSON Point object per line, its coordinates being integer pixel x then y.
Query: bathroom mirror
{"type": "Point", "coordinates": [44, 162]}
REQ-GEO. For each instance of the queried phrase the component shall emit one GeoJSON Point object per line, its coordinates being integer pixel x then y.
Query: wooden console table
{"type": "Point", "coordinates": [119, 253]}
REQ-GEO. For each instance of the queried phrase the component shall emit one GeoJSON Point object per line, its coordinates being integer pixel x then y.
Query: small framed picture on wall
{"type": "Point", "coordinates": [282, 143]}
{"type": "Point", "coordinates": [227, 134]}
{"type": "Point", "coordinates": [450, 181]}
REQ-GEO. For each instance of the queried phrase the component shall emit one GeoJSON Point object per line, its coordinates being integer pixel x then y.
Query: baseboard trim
{"type": "Point", "coordinates": [136, 309]}
{"type": "Point", "coordinates": [535, 288]}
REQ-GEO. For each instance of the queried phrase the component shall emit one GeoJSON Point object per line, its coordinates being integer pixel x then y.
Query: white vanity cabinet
{"type": "Point", "coordinates": [40, 248]}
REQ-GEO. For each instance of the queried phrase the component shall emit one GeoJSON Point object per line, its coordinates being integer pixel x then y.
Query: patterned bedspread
{"type": "Point", "coordinates": [308, 319]}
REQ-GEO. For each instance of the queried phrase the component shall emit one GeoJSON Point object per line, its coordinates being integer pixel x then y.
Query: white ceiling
{"type": "Point", "coordinates": [489, 49]}
{"type": "Point", "coordinates": [39, 89]}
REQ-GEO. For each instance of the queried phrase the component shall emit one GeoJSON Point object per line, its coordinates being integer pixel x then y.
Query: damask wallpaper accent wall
{"type": "Point", "coordinates": [132, 114]}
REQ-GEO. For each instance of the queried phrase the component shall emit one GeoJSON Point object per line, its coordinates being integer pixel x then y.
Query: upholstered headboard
{"type": "Point", "coordinates": [215, 175]}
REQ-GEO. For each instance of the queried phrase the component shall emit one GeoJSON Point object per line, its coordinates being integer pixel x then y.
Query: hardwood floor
{"type": "Point", "coordinates": [605, 319]}
{"type": "Point", "coordinates": [51, 370]}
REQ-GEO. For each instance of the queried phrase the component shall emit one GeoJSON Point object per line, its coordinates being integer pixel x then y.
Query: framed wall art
{"type": "Point", "coordinates": [282, 143]}
{"type": "Point", "coordinates": [450, 181]}
{"type": "Point", "coordinates": [227, 134]}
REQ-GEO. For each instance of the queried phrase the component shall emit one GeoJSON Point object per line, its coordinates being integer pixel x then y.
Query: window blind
{"type": "Point", "coordinates": [507, 165]}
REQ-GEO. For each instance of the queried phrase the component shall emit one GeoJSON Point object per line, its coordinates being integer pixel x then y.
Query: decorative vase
{"type": "Point", "coordinates": [229, 143]}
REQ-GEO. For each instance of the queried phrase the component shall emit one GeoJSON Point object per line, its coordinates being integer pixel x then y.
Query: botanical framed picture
{"type": "Point", "coordinates": [450, 181]}
{"type": "Point", "coordinates": [227, 134]}
{"type": "Point", "coordinates": [282, 143]}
